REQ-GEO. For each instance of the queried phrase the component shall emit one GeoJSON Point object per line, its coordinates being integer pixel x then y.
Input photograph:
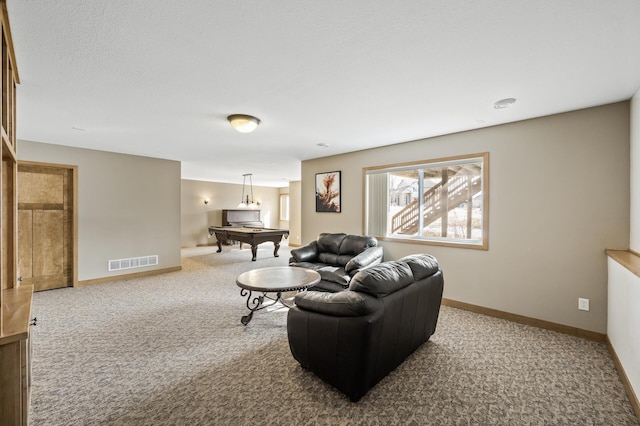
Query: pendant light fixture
{"type": "Point", "coordinates": [243, 123]}
{"type": "Point", "coordinates": [246, 202]}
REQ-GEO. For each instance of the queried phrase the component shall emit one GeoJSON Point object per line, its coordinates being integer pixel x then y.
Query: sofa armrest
{"type": "Point", "coordinates": [370, 257]}
{"type": "Point", "coordinates": [307, 253]}
{"type": "Point", "coordinates": [341, 304]}
{"type": "Point", "coordinates": [422, 265]}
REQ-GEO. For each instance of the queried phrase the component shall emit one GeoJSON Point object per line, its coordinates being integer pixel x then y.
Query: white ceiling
{"type": "Point", "coordinates": [158, 77]}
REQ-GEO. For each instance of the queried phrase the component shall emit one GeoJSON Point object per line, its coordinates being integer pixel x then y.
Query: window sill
{"type": "Point", "coordinates": [482, 246]}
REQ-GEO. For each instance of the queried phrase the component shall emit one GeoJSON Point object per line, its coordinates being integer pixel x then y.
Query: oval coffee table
{"type": "Point", "coordinates": [277, 279]}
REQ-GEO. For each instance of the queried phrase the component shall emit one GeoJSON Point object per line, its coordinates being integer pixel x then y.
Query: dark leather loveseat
{"type": "Point", "coordinates": [337, 258]}
{"type": "Point", "coordinates": [354, 338]}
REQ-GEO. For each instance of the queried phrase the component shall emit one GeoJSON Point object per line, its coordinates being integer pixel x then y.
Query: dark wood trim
{"type": "Point", "coordinates": [128, 276]}
{"type": "Point", "coordinates": [633, 398]}
{"type": "Point", "coordinates": [560, 328]}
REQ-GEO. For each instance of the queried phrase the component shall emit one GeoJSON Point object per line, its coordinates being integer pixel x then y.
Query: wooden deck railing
{"type": "Point", "coordinates": [437, 202]}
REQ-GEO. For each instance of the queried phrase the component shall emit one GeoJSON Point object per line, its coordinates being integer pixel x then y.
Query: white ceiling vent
{"type": "Point", "coordinates": [133, 262]}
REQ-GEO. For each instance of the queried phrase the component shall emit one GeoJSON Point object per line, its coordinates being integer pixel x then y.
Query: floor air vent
{"type": "Point", "coordinates": [133, 262]}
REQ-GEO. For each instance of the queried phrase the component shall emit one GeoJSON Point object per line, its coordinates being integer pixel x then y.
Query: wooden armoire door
{"type": "Point", "coordinates": [46, 225]}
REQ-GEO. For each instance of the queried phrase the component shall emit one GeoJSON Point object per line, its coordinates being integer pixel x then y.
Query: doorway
{"type": "Point", "coordinates": [47, 225]}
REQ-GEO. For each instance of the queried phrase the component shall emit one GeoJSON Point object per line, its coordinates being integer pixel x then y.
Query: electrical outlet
{"type": "Point", "coordinates": [583, 304]}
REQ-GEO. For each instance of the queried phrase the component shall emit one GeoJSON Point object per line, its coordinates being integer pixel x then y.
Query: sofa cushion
{"type": "Point", "coordinates": [309, 265]}
{"type": "Point", "coordinates": [343, 259]}
{"type": "Point", "coordinates": [329, 286]}
{"type": "Point", "coordinates": [353, 245]}
{"type": "Point", "coordinates": [422, 265]}
{"type": "Point", "coordinates": [330, 243]}
{"type": "Point", "coordinates": [382, 279]}
{"type": "Point", "coordinates": [341, 304]}
{"type": "Point", "coordinates": [334, 274]}
{"type": "Point", "coordinates": [328, 258]}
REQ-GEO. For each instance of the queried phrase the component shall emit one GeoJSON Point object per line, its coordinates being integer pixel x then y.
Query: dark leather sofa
{"type": "Point", "coordinates": [337, 258]}
{"type": "Point", "coordinates": [354, 338]}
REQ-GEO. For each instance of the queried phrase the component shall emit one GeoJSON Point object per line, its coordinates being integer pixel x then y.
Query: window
{"type": "Point", "coordinates": [284, 206]}
{"type": "Point", "coordinates": [440, 202]}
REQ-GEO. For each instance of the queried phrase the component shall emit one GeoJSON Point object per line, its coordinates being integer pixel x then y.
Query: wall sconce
{"type": "Point", "coordinates": [206, 201]}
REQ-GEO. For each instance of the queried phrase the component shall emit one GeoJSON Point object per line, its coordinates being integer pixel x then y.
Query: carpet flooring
{"type": "Point", "coordinates": [170, 350]}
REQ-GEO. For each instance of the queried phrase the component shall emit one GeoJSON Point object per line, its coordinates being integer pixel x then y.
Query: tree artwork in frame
{"type": "Point", "coordinates": [328, 192]}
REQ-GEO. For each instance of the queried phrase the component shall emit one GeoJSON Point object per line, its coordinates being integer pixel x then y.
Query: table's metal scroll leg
{"type": "Point", "coordinates": [252, 304]}
{"type": "Point", "coordinates": [275, 250]}
{"type": "Point", "coordinates": [246, 318]}
{"type": "Point", "coordinates": [219, 246]}
{"type": "Point", "coordinates": [254, 251]}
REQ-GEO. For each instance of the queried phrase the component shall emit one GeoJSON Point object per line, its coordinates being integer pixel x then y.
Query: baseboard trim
{"type": "Point", "coordinates": [565, 329]}
{"type": "Point", "coordinates": [128, 276]}
{"type": "Point", "coordinates": [633, 398]}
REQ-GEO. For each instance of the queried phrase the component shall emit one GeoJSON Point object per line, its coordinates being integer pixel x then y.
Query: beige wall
{"type": "Point", "coordinates": [197, 217]}
{"type": "Point", "coordinates": [559, 195]}
{"type": "Point", "coordinates": [128, 206]}
{"type": "Point", "coordinates": [295, 214]}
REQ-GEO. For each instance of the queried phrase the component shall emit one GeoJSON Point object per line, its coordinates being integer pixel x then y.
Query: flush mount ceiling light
{"type": "Point", "coordinates": [504, 103]}
{"type": "Point", "coordinates": [243, 123]}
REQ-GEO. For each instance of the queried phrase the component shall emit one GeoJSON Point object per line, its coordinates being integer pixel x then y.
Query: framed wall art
{"type": "Point", "coordinates": [328, 192]}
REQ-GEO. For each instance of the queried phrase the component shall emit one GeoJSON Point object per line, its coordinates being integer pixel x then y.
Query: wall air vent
{"type": "Point", "coordinates": [133, 262]}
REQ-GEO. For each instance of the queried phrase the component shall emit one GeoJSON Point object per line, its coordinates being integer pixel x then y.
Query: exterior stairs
{"type": "Point", "coordinates": [437, 202]}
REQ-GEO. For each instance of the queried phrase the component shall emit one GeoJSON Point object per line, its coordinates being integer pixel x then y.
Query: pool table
{"type": "Point", "coordinates": [249, 235]}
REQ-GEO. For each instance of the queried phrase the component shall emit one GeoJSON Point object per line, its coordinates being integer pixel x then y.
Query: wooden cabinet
{"type": "Point", "coordinates": [15, 356]}
{"type": "Point", "coordinates": [15, 299]}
